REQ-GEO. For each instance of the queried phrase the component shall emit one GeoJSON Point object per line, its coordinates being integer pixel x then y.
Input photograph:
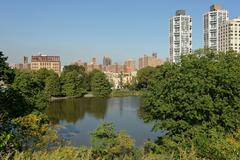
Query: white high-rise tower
{"type": "Point", "coordinates": [212, 20]}
{"type": "Point", "coordinates": [180, 35]}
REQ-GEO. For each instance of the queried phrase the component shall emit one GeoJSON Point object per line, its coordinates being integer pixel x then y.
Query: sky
{"type": "Point", "coordinates": [82, 29]}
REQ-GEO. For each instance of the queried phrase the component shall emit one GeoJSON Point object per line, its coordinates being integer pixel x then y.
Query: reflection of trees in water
{"type": "Point", "coordinates": [141, 113]}
{"type": "Point", "coordinates": [72, 110]}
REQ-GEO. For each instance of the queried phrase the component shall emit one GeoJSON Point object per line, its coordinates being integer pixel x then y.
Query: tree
{"type": "Point", "coordinates": [31, 89]}
{"type": "Point", "coordinates": [74, 84]}
{"type": "Point", "coordinates": [41, 76]}
{"type": "Point", "coordinates": [121, 75]}
{"type": "Point", "coordinates": [110, 144]}
{"type": "Point", "coordinates": [53, 85]}
{"type": "Point", "coordinates": [74, 80]}
{"type": "Point", "coordinates": [6, 73]}
{"type": "Point", "coordinates": [100, 85]}
{"type": "Point", "coordinates": [70, 68]}
{"type": "Point", "coordinates": [13, 104]}
{"type": "Point", "coordinates": [144, 75]}
{"type": "Point", "coordinates": [197, 95]}
{"type": "Point", "coordinates": [90, 77]}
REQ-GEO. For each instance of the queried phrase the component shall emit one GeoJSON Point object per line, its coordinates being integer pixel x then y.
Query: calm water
{"type": "Point", "coordinates": [78, 117]}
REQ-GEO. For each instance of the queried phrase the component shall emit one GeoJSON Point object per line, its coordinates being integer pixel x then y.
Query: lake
{"type": "Point", "coordinates": [78, 117]}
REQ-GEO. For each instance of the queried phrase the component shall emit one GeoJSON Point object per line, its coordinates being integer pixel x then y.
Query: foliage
{"type": "Point", "coordinates": [90, 77]}
{"type": "Point", "coordinates": [42, 75]}
{"type": "Point", "coordinates": [200, 93]}
{"type": "Point", "coordinates": [100, 85]}
{"type": "Point", "coordinates": [110, 144]}
{"type": "Point", "coordinates": [74, 80]}
{"type": "Point", "coordinates": [34, 132]}
{"type": "Point", "coordinates": [13, 104]}
{"type": "Point", "coordinates": [144, 75]}
{"type": "Point", "coordinates": [124, 93]}
{"type": "Point", "coordinates": [9, 143]}
{"type": "Point", "coordinates": [70, 68]}
{"type": "Point", "coordinates": [203, 146]}
{"type": "Point", "coordinates": [6, 73]}
{"type": "Point", "coordinates": [30, 132]}
{"type": "Point", "coordinates": [32, 89]}
{"type": "Point", "coordinates": [73, 84]}
{"type": "Point", "coordinates": [53, 85]}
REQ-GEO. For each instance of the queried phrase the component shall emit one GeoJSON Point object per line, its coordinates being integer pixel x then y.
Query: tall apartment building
{"type": "Point", "coordinates": [212, 20]}
{"type": "Point", "coordinates": [229, 35]}
{"type": "Point", "coordinates": [180, 35]}
{"type": "Point", "coordinates": [151, 61]}
{"type": "Point", "coordinates": [48, 62]}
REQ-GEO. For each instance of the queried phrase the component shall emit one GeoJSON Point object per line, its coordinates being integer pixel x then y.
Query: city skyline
{"type": "Point", "coordinates": [80, 30]}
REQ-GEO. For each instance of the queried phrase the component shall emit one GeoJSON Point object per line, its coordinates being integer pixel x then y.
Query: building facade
{"type": "Point", "coordinates": [45, 61]}
{"type": "Point", "coordinates": [229, 35]}
{"type": "Point", "coordinates": [212, 20]}
{"type": "Point", "coordinates": [129, 66]}
{"type": "Point", "coordinates": [23, 66]}
{"type": "Point", "coordinates": [180, 35]}
{"type": "Point", "coordinates": [151, 61]}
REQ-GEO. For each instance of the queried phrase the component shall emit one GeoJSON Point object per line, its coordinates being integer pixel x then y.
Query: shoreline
{"type": "Point", "coordinates": [90, 95]}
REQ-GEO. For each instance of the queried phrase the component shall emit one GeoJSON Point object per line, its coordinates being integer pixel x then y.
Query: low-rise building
{"type": "Point", "coordinates": [118, 80]}
{"type": "Point", "coordinates": [23, 66]}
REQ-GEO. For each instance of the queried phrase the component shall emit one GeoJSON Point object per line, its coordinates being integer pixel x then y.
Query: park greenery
{"type": "Point", "coordinates": [196, 103]}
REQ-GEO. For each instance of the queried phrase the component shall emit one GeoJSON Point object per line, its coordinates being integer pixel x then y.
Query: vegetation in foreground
{"type": "Point", "coordinates": [196, 101]}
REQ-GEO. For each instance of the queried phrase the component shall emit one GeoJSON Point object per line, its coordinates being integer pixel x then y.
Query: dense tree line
{"type": "Point", "coordinates": [196, 100]}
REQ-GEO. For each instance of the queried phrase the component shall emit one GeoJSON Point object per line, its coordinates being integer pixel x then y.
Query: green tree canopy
{"type": "Point", "coordinates": [74, 84]}
{"type": "Point", "coordinates": [31, 89]}
{"type": "Point", "coordinates": [202, 92]}
{"type": "Point", "coordinates": [41, 76]}
{"type": "Point", "coordinates": [53, 85]}
{"type": "Point", "coordinates": [70, 68]}
{"type": "Point", "coordinates": [6, 73]}
{"type": "Point", "coordinates": [74, 80]}
{"type": "Point", "coordinates": [144, 75]}
{"type": "Point", "coordinates": [100, 85]}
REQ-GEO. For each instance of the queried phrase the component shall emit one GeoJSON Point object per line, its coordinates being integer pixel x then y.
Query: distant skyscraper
{"type": "Point", "coordinates": [180, 35]}
{"type": "Point", "coordinates": [229, 35]}
{"type": "Point", "coordinates": [107, 61]}
{"type": "Point", "coordinates": [212, 20]}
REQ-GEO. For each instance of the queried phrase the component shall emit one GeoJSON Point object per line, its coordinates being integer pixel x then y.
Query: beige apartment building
{"type": "Point", "coordinates": [152, 61]}
{"type": "Point", "coordinates": [229, 35]}
{"type": "Point", "coordinates": [48, 62]}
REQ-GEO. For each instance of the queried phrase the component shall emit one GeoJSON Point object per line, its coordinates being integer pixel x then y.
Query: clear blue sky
{"type": "Point", "coordinates": [81, 29]}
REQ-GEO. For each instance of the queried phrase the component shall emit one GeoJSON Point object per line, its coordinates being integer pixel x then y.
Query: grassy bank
{"type": "Point", "coordinates": [124, 92]}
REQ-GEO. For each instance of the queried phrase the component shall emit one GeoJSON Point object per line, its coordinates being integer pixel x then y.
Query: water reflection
{"type": "Point", "coordinates": [73, 110]}
{"type": "Point", "coordinates": [78, 117]}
